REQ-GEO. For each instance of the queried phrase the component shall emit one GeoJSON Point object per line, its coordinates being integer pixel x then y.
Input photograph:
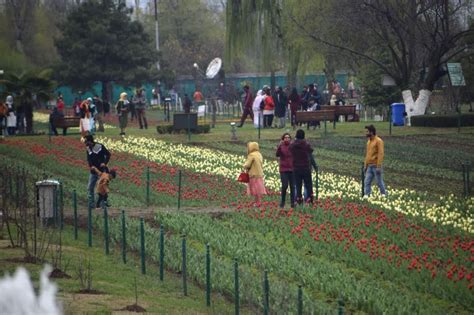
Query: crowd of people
{"type": "Point", "coordinates": [12, 117]}
{"type": "Point", "coordinates": [271, 109]}
{"type": "Point", "coordinates": [296, 162]}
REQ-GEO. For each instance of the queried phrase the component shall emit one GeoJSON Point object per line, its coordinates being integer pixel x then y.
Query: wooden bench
{"type": "Point", "coordinates": [319, 115]}
{"type": "Point", "coordinates": [66, 122]}
{"type": "Point", "coordinates": [345, 110]}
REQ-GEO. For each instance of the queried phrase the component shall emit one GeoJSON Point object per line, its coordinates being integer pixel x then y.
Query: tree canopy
{"type": "Point", "coordinates": [100, 42]}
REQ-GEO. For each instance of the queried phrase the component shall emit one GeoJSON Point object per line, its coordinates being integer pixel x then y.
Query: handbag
{"type": "Point", "coordinates": [244, 177]}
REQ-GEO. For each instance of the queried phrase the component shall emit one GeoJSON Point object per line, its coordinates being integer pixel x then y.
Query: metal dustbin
{"type": "Point", "coordinates": [47, 195]}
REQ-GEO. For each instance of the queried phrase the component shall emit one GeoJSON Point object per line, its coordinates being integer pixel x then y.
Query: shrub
{"type": "Point", "coordinates": [161, 129]}
{"type": "Point", "coordinates": [443, 121]}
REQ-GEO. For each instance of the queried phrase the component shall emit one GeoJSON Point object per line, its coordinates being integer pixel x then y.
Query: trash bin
{"type": "Point", "coordinates": [397, 114]}
{"type": "Point", "coordinates": [47, 193]}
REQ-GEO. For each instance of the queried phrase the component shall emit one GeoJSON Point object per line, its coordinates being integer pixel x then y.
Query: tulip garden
{"type": "Point", "coordinates": [409, 253]}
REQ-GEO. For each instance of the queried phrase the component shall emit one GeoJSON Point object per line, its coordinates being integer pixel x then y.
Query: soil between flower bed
{"type": "Point", "coordinates": [92, 291]}
{"type": "Point", "coordinates": [59, 274]}
{"type": "Point", "coordinates": [133, 308]}
{"type": "Point", "coordinates": [24, 260]}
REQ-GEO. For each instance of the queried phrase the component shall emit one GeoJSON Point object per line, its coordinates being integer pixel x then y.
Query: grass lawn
{"type": "Point", "coordinates": [116, 281]}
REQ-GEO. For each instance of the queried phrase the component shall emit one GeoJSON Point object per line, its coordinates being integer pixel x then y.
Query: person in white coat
{"type": "Point", "coordinates": [11, 117]}
{"type": "Point", "coordinates": [257, 109]}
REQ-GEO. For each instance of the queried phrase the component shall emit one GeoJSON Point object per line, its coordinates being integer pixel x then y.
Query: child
{"type": "Point", "coordinates": [254, 166]}
{"type": "Point", "coordinates": [102, 187]}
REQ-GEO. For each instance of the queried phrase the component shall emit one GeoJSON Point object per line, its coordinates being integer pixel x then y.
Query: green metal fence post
{"type": "Point", "coordinates": [89, 222]}
{"type": "Point", "coordinates": [61, 206]}
{"type": "Point", "coordinates": [340, 306]}
{"type": "Point", "coordinates": [459, 119]}
{"type": "Point", "coordinates": [183, 254]}
{"type": "Point", "coordinates": [179, 189]}
{"type": "Point", "coordinates": [325, 128]}
{"type": "Point", "coordinates": [464, 184]}
{"type": "Point", "coordinates": [124, 239]}
{"type": "Point", "coordinates": [142, 245]}
{"type": "Point", "coordinates": [162, 251]}
{"type": "Point", "coordinates": [208, 275]}
{"type": "Point", "coordinates": [468, 179]}
{"type": "Point", "coordinates": [236, 287]}
{"type": "Point", "coordinates": [147, 185]}
{"type": "Point", "coordinates": [317, 182]}
{"type": "Point", "coordinates": [390, 120]}
{"type": "Point", "coordinates": [300, 300]}
{"type": "Point", "coordinates": [259, 125]}
{"type": "Point", "coordinates": [74, 204]}
{"type": "Point", "coordinates": [266, 292]}
{"type": "Point", "coordinates": [17, 188]}
{"type": "Point", "coordinates": [106, 229]}
{"type": "Point", "coordinates": [189, 127]}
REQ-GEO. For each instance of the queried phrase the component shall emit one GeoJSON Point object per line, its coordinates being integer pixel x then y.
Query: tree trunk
{"type": "Point", "coordinates": [105, 91]}
{"type": "Point", "coordinates": [418, 106]}
{"type": "Point", "coordinates": [294, 60]}
{"type": "Point", "coordinates": [272, 79]}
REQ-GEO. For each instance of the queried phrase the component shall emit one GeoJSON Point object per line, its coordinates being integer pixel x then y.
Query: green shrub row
{"type": "Point", "coordinates": [162, 129]}
{"type": "Point", "coordinates": [443, 121]}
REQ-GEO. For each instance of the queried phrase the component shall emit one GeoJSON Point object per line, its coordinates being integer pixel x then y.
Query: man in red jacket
{"type": "Point", "coordinates": [301, 152]}
{"type": "Point", "coordinates": [247, 106]}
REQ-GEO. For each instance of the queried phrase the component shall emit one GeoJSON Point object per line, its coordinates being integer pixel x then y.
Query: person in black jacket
{"type": "Point", "coordinates": [281, 104]}
{"type": "Point", "coordinates": [301, 152]}
{"type": "Point", "coordinates": [54, 115]}
{"type": "Point", "coordinates": [97, 156]}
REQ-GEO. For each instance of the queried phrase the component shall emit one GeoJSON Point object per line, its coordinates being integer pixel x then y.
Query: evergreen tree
{"type": "Point", "coordinates": [101, 43]}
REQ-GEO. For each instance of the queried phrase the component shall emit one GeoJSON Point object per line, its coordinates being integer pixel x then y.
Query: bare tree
{"type": "Point", "coordinates": [22, 13]}
{"type": "Point", "coordinates": [409, 40]}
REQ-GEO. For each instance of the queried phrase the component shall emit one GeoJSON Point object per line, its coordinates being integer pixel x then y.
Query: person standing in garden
{"type": "Point", "coordinates": [139, 100]}
{"type": "Point", "coordinates": [373, 162]}
{"type": "Point", "coordinates": [254, 166]}
{"type": "Point", "coordinates": [187, 104]}
{"type": "Point", "coordinates": [122, 107]}
{"type": "Point", "coordinates": [99, 107]}
{"type": "Point", "coordinates": [295, 104]}
{"type": "Point", "coordinates": [11, 116]}
{"type": "Point", "coordinates": [97, 157]}
{"type": "Point", "coordinates": [3, 119]}
{"type": "Point", "coordinates": [248, 101]}
{"type": "Point", "coordinates": [257, 109]}
{"type": "Point", "coordinates": [85, 121]}
{"type": "Point", "coordinates": [268, 108]}
{"type": "Point", "coordinates": [281, 104]}
{"type": "Point", "coordinates": [286, 169]}
{"type": "Point", "coordinates": [198, 97]}
{"type": "Point", "coordinates": [301, 152]}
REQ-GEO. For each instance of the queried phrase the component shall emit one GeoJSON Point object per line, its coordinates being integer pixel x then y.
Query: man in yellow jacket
{"type": "Point", "coordinates": [373, 162]}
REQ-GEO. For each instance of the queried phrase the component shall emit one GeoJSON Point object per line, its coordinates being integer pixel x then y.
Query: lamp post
{"type": "Point", "coordinates": [157, 34]}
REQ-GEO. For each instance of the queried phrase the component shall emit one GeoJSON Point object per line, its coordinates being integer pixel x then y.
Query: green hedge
{"type": "Point", "coordinates": [442, 121]}
{"type": "Point", "coordinates": [169, 129]}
